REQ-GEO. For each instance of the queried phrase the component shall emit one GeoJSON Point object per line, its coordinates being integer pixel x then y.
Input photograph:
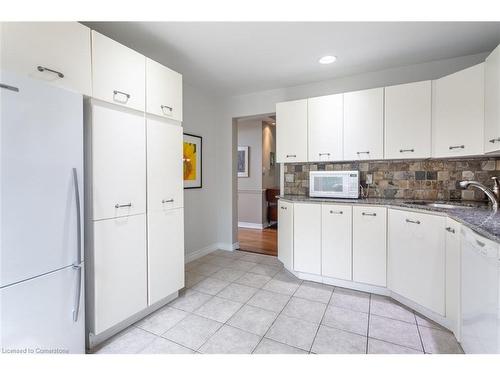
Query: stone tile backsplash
{"type": "Point", "coordinates": [408, 179]}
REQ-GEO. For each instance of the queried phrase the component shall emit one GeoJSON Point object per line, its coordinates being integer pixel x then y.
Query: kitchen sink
{"type": "Point", "coordinates": [447, 205]}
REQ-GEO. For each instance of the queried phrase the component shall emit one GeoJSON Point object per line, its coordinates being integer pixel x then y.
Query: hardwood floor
{"type": "Point", "coordinates": [259, 241]}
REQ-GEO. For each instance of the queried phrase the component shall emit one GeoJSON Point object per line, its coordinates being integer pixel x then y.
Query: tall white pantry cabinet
{"type": "Point", "coordinates": [134, 189]}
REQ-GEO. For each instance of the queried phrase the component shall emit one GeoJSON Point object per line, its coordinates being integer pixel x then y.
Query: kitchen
{"type": "Point", "coordinates": [387, 213]}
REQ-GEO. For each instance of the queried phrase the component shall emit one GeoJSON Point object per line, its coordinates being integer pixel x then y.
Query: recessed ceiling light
{"type": "Point", "coordinates": [327, 59]}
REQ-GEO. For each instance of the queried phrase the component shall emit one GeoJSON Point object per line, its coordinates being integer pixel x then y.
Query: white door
{"type": "Point", "coordinates": [163, 91]}
{"type": "Point", "coordinates": [41, 154]}
{"type": "Point", "coordinates": [291, 131]}
{"type": "Point", "coordinates": [336, 241]}
{"type": "Point", "coordinates": [55, 52]}
{"type": "Point", "coordinates": [491, 101]}
{"type": "Point", "coordinates": [165, 253]}
{"type": "Point", "coordinates": [458, 113]}
{"type": "Point", "coordinates": [118, 162]}
{"type": "Point", "coordinates": [164, 166]}
{"type": "Point", "coordinates": [307, 238]}
{"type": "Point", "coordinates": [325, 128]}
{"type": "Point", "coordinates": [364, 124]}
{"type": "Point", "coordinates": [285, 233]}
{"type": "Point", "coordinates": [416, 258]}
{"type": "Point", "coordinates": [45, 313]}
{"type": "Point", "coordinates": [118, 73]}
{"type": "Point", "coordinates": [369, 239]}
{"type": "Point", "coordinates": [453, 264]}
{"type": "Point", "coordinates": [407, 121]}
{"type": "Point", "coordinates": [119, 269]}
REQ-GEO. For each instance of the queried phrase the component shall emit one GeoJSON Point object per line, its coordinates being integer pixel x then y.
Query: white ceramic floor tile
{"type": "Point", "coordinates": [267, 346]}
{"type": "Point", "coordinates": [389, 308]}
{"type": "Point", "coordinates": [439, 342]}
{"type": "Point", "coordinates": [237, 292]}
{"type": "Point", "coordinates": [269, 300]}
{"type": "Point", "coordinates": [162, 320]}
{"type": "Point", "coordinates": [381, 347]}
{"type": "Point", "coordinates": [351, 299]}
{"type": "Point", "coordinates": [193, 331]}
{"type": "Point", "coordinates": [425, 322]}
{"type": "Point", "coordinates": [228, 274]}
{"type": "Point", "coordinates": [164, 346]}
{"type": "Point", "coordinates": [314, 291]}
{"type": "Point", "coordinates": [253, 280]}
{"type": "Point", "coordinates": [305, 310]}
{"type": "Point", "coordinates": [282, 287]}
{"type": "Point", "coordinates": [347, 320]}
{"type": "Point", "coordinates": [253, 319]}
{"type": "Point", "coordinates": [230, 340]}
{"type": "Point", "coordinates": [265, 269]}
{"type": "Point", "coordinates": [130, 341]}
{"type": "Point", "coordinates": [293, 332]}
{"type": "Point", "coordinates": [206, 269]}
{"type": "Point", "coordinates": [335, 341]}
{"type": "Point", "coordinates": [192, 278]}
{"type": "Point", "coordinates": [218, 309]}
{"type": "Point", "coordinates": [221, 261]}
{"type": "Point", "coordinates": [210, 285]}
{"type": "Point", "coordinates": [394, 331]}
{"type": "Point", "coordinates": [190, 300]}
{"type": "Point", "coordinates": [242, 265]}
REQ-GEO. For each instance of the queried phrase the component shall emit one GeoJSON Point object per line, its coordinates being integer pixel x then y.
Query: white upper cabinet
{"type": "Point", "coordinates": [364, 124]}
{"type": "Point", "coordinates": [408, 121]}
{"type": "Point", "coordinates": [325, 127]}
{"type": "Point", "coordinates": [55, 52]}
{"type": "Point", "coordinates": [492, 102]}
{"type": "Point", "coordinates": [164, 166]}
{"type": "Point", "coordinates": [307, 238]}
{"type": "Point", "coordinates": [291, 131]}
{"type": "Point", "coordinates": [118, 73]}
{"type": "Point", "coordinates": [163, 91]}
{"type": "Point", "coordinates": [458, 113]}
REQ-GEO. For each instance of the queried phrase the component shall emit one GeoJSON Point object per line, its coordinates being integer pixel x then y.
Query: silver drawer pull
{"type": "Point", "coordinates": [291, 156]}
{"type": "Point", "coordinates": [494, 140]}
{"type": "Point", "coordinates": [368, 214]}
{"type": "Point", "coordinates": [480, 243]}
{"type": "Point", "coordinates": [43, 69]}
{"type": "Point", "coordinates": [454, 147]}
{"type": "Point", "coordinates": [407, 150]}
{"type": "Point", "coordinates": [116, 92]}
{"type": "Point", "coordinates": [163, 107]}
{"type": "Point", "coordinates": [283, 208]}
{"type": "Point", "coordinates": [167, 200]}
{"type": "Point", "coordinates": [413, 221]}
{"type": "Point", "coordinates": [8, 87]}
{"type": "Point", "coordinates": [362, 152]}
{"type": "Point", "coordinates": [336, 212]}
{"type": "Point", "coordinates": [324, 153]}
{"type": "Point", "coordinates": [123, 205]}
{"type": "Point", "coordinates": [450, 229]}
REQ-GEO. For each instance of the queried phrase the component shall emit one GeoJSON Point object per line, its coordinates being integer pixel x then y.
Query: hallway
{"type": "Point", "coordinates": [259, 241]}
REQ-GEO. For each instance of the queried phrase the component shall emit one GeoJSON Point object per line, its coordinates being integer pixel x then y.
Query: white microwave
{"type": "Point", "coordinates": [334, 184]}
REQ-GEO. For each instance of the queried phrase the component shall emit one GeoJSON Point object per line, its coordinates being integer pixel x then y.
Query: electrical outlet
{"type": "Point", "coordinates": [369, 179]}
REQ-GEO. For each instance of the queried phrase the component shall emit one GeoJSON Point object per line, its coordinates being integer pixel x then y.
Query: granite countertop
{"type": "Point", "coordinates": [476, 216]}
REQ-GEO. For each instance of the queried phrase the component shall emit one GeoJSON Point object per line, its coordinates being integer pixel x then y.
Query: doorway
{"type": "Point", "coordinates": [258, 184]}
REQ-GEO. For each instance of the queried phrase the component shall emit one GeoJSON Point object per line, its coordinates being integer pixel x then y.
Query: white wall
{"type": "Point", "coordinates": [264, 103]}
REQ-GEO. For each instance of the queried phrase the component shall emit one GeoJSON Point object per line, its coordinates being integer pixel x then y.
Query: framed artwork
{"type": "Point", "coordinates": [243, 161]}
{"type": "Point", "coordinates": [272, 159]}
{"type": "Point", "coordinates": [191, 157]}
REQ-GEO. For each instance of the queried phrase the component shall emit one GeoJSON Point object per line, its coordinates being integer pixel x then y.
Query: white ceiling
{"type": "Point", "coordinates": [230, 58]}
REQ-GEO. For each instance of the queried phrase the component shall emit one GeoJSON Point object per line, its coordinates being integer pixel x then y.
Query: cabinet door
{"type": "Point", "coordinates": [369, 254]}
{"type": "Point", "coordinates": [458, 113]}
{"type": "Point", "coordinates": [118, 73]}
{"type": "Point", "coordinates": [416, 258]}
{"type": "Point", "coordinates": [285, 234]}
{"type": "Point", "coordinates": [307, 238]}
{"type": "Point", "coordinates": [453, 265]}
{"type": "Point", "coordinates": [163, 91]}
{"type": "Point", "coordinates": [336, 241]}
{"type": "Point", "coordinates": [291, 131]}
{"type": "Point", "coordinates": [165, 253]}
{"type": "Point", "coordinates": [364, 124]}
{"type": "Point", "coordinates": [408, 121]}
{"type": "Point", "coordinates": [42, 50]}
{"type": "Point", "coordinates": [165, 181]}
{"type": "Point", "coordinates": [492, 101]}
{"type": "Point", "coordinates": [118, 162]}
{"type": "Point", "coordinates": [325, 126]}
{"type": "Point", "coordinates": [120, 280]}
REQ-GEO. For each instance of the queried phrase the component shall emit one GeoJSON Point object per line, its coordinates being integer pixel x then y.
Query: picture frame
{"type": "Point", "coordinates": [242, 165]}
{"type": "Point", "coordinates": [192, 160]}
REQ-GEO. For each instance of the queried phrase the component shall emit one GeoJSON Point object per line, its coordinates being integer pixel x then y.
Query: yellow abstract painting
{"type": "Point", "coordinates": [192, 160]}
{"type": "Point", "coordinates": [189, 161]}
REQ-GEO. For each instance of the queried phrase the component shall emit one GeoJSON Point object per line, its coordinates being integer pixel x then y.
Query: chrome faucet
{"type": "Point", "coordinates": [492, 194]}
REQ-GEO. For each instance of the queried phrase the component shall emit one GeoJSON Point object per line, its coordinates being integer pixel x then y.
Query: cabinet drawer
{"type": "Point", "coordinates": [118, 162]}
{"type": "Point", "coordinates": [55, 52]}
{"type": "Point", "coordinates": [163, 91]}
{"type": "Point", "coordinates": [120, 285]}
{"type": "Point", "coordinates": [369, 240]}
{"type": "Point", "coordinates": [118, 73]}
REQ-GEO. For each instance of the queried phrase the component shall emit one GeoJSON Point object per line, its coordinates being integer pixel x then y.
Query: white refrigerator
{"type": "Point", "coordinates": [41, 224]}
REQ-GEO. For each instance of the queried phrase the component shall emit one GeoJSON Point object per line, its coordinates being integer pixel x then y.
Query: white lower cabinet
{"type": "Point", "coordinates": [416, 258]}
{"type": "Point", "coordinates": [165, 253]}
{"type": "Point", "coordinates": [452, 272]}
{"type": "Point", "coordinates": [307, 238]}
{"type": "Point", "coordinates": [369, 254]}
{"type": "Point", "coordinates": [285, 233]}
{"type": "Point", "coordinates": [119, 270]}
{"type": "Point", "coordinates": [336, 241]}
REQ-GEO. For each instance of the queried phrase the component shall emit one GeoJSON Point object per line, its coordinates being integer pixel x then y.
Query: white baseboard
{"type": "Point", "coordinates": [193, 255]}
{"type": "Point", "coordinates": [227, 246]}
{"type": "Point", "coordinates": [244, 224]}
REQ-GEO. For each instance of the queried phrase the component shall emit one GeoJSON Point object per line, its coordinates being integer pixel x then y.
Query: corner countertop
{"type": "Point", "coordinates": [480, 218]}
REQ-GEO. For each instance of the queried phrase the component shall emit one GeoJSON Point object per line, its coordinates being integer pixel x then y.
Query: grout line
{"type": "Point", "coordinates": [321, 321]}
{"type": "Point", "coordinates": [419, 335]}
{"type": "Point", "coordinates": [164, 338]}
{"type": "Point", "coordinates": [368, 328]}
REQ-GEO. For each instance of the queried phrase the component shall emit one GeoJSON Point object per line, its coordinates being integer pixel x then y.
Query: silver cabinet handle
{"type": "Point", "coordinates": [78, 218]}
{"type": "Point", "coordinates": [494, 140]}
{"type": "Point", "coordinates": [170, 109]}
{"type": "Point", "coordinates": [368, 214]}
{"type": "Point", "coordinates": [43, 69]}
{"type": "Point", "coordinates": [167, 200]}
{"type": "Point", "coordinates": [413, 221]}
{"type": "Point", "coordinates": [324, 153]}
{"type": "Point", "coordinates": [336, 212]}
{"type": "Point", "coordinates": [480, 243]}
{"type": "Point", "coordinates": [454, 147]}
{"type": "Point", "coordinates": [116, 92]}
{"type": "Point", "coordinates": [8, 87]}
{"type": "Point", "coordinates": [407, 150]}
{"type": "Point", "coordinates": [283, 208]}
{"type": "Point", "coordinates": [450, 229]}
{"type": "Point", "coordinates": [291, 156]}
{"type": "Point", "coordinates": [76, 305]}
{"type": "Point", "coordinates": [118, 205]}
{"type": "Point", "coordinates": [362, 152]}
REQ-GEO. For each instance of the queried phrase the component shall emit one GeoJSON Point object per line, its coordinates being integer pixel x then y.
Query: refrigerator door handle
{"type": "Point", "coordinates": [78, 218]}
{"type": "Point", "coordinates": [76, 306]}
